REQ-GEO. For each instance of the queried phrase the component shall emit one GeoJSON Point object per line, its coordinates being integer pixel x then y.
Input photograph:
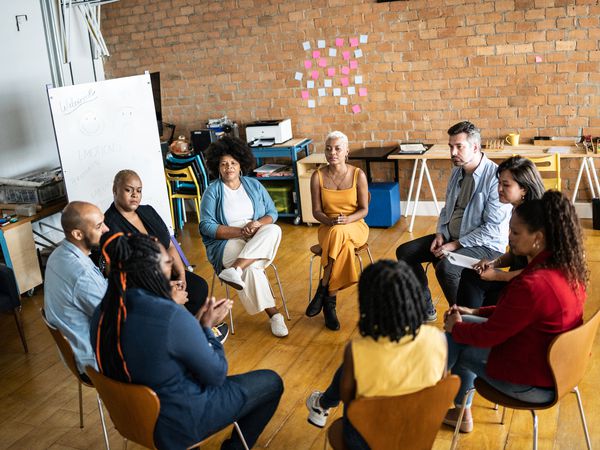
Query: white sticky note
{"type": "Point", "coordinates": [363, 39]}
{"type": "Point", "coordinates": [358, 79]}
{"type": "Point", "coordinates": [311, 103]}
{"type": "Point", "coordinates": [310, 84]}
{"type": "Point", "coordinates": [321, 43]}
{"type": "Point", "coordinates": [358, 53]}
{"type": "Point", "coordinates": [337, 92]}
{"type": "Point", "coordinates": [351, 90]}
{"type": "Point", "coordinates": [343, 101]}
{"type": "Point", "coordinates": [322, 92]}
{"type": "Point", "coordinates": [306, 45]}
{"type": "Point", "coordinates": [298, 76]}
{"type": "Point", "coordinates": [332, 52]}
{"type": "Point", "coordinates": [327, 83]}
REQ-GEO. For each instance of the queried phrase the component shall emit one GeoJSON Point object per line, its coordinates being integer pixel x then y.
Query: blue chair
{"type": "Point", "coordinates": [10, 300]}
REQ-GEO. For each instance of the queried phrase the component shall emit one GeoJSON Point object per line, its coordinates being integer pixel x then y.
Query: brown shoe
{"type": "Point", "coordinates": [466, 425]}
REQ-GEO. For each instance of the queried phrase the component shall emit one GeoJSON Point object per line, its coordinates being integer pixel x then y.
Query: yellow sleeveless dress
{"type": "Point", "coordinates": [339, 241]}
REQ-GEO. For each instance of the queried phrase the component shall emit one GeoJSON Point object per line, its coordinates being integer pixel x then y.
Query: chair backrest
{"type": "Point", "coordinates": [184, 174]}
{"type": "Point", "coordinates": [405, 421]}
{"type": "Point", "coordinates": [133, 408]}
{"type": "Point", "coordinates": [570, 353]}
{"type": "Point", "coordinates": [64, 348]}
{"type": "Point", "coordinates": [549, 165]}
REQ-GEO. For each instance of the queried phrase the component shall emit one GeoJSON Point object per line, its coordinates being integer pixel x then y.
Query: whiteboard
{"type": "Point", "coordinates": [105, 127]}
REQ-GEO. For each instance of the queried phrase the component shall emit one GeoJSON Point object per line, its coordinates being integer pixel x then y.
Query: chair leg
{"type": "Point", "coordinates": [19, 322]}
{"type": "Point", "coordinates": [460, 417]}
{"type": "Point", "coordinates": [359, 262]}
{"type": "Point", "coordinates": [124, 443]}
{"type": "Point", "coordinates": [241, 435]}
{"type": "Point", "coordinates": [535, 429]}
{"type": "Point", "coordinates": [212, 284]}
{"type": "Point", "coordinates": [103, 422]}
{"type": "Point", "coordinates": [370, 256]}
{"type": "Point", "coordinates": [503, 414]}
{"type": "Point", "coordinates": [80, 396]}
{"type": "Point", "coordinates": [310, 269]}
{"type": "Point", "coordinates": [583, 421]}
{"type": "Point", "coordinates": [287, 313]}
{"type": "Point", "coordinates": [230, 313]}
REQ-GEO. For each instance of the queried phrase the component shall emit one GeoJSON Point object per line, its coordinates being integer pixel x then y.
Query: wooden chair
{"type": "Point", "coordinates": [68, 358]}
{"type": "Point", "coordinates": [549, 165]}
{"type": "Point", "coordinates": [400, 422]}
{"type": "Point", "coordinates": [10, 300]}
{"type": "Point", "coordinates": [134, 409]}
{"type": "Point", "coordinates": [568, 356]}
{"type": "Point", "coordinates": [177, 192]}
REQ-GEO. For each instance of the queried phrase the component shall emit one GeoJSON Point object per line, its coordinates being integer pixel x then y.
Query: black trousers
{"type": "Point", "coordinates": [197, 289]}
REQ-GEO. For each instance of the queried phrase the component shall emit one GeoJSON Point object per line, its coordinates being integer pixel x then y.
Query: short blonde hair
{"type": "Point", "coordinates": [335, 135]}
{"type": "Point", "coordinates": [123, 175]}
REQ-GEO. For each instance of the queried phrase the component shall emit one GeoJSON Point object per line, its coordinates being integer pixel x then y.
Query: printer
{"type": "Point", "coordinates": [265, 133]}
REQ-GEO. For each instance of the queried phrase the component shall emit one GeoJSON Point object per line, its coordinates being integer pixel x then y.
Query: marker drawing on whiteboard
{"type": "Point", "coordinates": [72, 104]}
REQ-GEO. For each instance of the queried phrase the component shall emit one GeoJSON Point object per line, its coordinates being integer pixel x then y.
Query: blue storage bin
{"type": "Point", "coordinates": [384, 209]}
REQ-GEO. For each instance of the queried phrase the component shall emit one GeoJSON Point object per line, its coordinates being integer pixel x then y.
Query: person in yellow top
{"type": "Point", "coordinates": [396, 352]}
{"type": "Point", "coordinates": [340, 201]}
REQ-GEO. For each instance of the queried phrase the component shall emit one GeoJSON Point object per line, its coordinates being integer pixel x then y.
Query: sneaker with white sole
{"type": "Point", "coordinates": [278, 327]}
{"type": "Point", "coordinates": [221, 332]}
{"type": "Point", "coordinates": [233, 277]}
{"type": "Point", "coordinates": [317, 415]}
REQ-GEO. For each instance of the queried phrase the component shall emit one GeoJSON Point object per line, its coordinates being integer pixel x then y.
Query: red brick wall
{"type": "Point", "coordinates": [427, 65]}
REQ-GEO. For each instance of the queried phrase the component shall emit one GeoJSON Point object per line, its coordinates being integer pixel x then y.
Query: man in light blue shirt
{"type": "Point", "coordinates": [73, 285]}
{"type": "Point", "coordinates": [473, 222]}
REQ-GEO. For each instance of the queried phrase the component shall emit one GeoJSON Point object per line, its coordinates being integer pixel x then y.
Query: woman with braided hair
{"type": "Point", "coordinates": [507, 344]}
{"type": "Point", "coordinates": [396, 353]}
{"type": "Point", "coordinates": [142, 336]}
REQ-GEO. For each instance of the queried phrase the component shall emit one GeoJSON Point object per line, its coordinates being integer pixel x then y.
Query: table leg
{"type": "Point", "coordinates": [595, 177]}
{"type": "Point", "coordinates": [437, 207]}
{"type": "Point", "coordinates": [581, 167]}
{"type": "Point", "coordinates": [410, 189]}
{"type": "Point", "coordinates": [414, 212]}
{"type": "Point", "coordinates": [589, 178]}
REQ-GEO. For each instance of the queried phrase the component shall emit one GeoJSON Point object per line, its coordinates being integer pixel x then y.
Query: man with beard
{"type": "Point", "coordinates": [73, 285]}
{"type": "Point", "coordinates": [473, 222]}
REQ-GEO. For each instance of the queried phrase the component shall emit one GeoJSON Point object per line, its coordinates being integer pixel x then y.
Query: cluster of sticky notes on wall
{"type": "Point", "coordinates": [333, 71]}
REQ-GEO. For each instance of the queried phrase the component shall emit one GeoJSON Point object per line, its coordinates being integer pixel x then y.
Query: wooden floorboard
{"type": "Point", "coordinates": [38, 396]}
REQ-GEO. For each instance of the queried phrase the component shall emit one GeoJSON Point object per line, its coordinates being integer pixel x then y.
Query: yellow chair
{"type": "Point", "coordinates": [176, 191]}
{"type": "Point", "coordinates": [549, 165]}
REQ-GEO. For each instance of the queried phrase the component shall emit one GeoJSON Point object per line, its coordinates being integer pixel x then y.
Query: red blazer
{"type": "Point", "coordinates": [533, 308]}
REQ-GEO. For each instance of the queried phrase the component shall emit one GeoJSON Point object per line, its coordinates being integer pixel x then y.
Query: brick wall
{"type": "Point", "coordinates": [526, 65]}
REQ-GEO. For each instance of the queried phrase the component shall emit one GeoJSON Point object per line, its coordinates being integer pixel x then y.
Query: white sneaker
{"type": "Point", "coordinates": [233, 277]}
{"type": "Point", "coordinates": [278, 327]}
{"type": "Point", "coordinates": [317, 415]}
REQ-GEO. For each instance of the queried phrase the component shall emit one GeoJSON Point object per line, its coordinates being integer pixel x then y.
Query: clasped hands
{"type": "Point", "coordinates": [250, 229]}
{"type": "Point", "coordinates": [439, 249]}
{"type": "Point", "coordinates": [454, 315]}
{"type": "Point", "coordinates": [213, 311]}
{"type": "Point", "coordinates": [341, 219]}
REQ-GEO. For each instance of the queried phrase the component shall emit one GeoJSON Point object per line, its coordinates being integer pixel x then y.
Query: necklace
{"type": "Point", "coordinates": [337, 184]}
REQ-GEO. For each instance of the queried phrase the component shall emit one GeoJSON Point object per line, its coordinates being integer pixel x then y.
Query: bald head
{"type": "Point", "coordinates": [83, 224]}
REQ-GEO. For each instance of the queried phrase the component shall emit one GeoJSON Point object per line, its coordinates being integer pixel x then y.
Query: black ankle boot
{"type": "Point", "coordinates": [316, 304]}
{"type": "Point", "coordinates": [331, 320]}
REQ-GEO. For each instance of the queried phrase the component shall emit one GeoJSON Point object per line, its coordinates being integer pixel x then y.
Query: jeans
{"type": "Point", "coordinates": [473, 292]}
{"type": "Point", "coordinates": [417, 251]}
{"type": "Point", "coordinates": [469, 362]}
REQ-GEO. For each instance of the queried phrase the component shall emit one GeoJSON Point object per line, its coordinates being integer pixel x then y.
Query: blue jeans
{"type": "Point", "coordinates": [469, 362]}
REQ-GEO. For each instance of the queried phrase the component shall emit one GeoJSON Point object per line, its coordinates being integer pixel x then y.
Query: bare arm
{"type": "Point", "coordinates": [227, 232]}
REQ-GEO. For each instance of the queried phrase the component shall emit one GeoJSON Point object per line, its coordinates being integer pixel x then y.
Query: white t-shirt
{"type": "Point", "coordinates": [237, 206]}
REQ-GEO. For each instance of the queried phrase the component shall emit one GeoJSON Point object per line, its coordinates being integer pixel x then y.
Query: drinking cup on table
{"type": "Point", "coordinates": [513, 139]}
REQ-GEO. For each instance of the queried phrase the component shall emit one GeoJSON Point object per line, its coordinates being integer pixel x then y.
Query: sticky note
{"type": "Point", "coordinates": [353, 42]}
{"type": "Point", "coordinates": [538, 59]}
{"type": "Point", "coordinates": [355, 108]}
{"type": "Point", "coordinates": [339, 42]}
{"type": "Point", "coordinates": [343, 101]}
{"type": "Point", "coordinates": [311, 103]}
{"type": "Point", "coordinates": [358, 79]}
{"type": "Point", "coordinates": [305, 95]}
{"type": "Point", "coordinates": [362, 92]}
{"type": "Point", "coordinates": [354, 64]}
{"type": "Point", "coordinates": [331, 72]}
{"type": "Point", "coordinates": [332, 52]}
{"type": "Point", "coordinates": [322, 62]}
{"type": "Point", "coordinates": [298, 76]}
{"type": "Point", "coordinates": [314, 74]}
{"type": "Point", "coordinates": [322, 92]}
{"type": "Point", "coordinates": [358, 53]}
{"type": "Point", "coordinates": [316, 54]}
{"type": "Point", "coordinates": [321, 43]}
{"type": "Point", "coordinates": [310, 84]}
{"type": "Point", "coordinates": [307, 64]}
{"type": "Point", "coordinates": [351, 90]}
{"type": "Point", "coordinates": [345, 81]}
{"type": "Point", "coordinates": [345, 70]}
{"type": "Point", "coordinates": [337, 92]}
{"type": "Point", "coordinates": [306, 45]}
{"type": "Point", "coordinates": [346, 55]}
{"type": "Point", "coordinates": [363, 38]}
{"type": "Point", "coordinates": [327, 83]}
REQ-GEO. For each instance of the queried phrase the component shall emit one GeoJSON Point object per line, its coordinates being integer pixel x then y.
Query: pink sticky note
{"type": "Point", "coordinates": [307, 64]}
{"type": "Point", "coordinates": [362, 92]}
{"type": "Point", "coordinates": [353, 42]}
{"type": "Point", "coordinates": [322, 62]}
{"type": "Point", "coordinates": [305, 95]}
{"type": "Point", "coordinates": [354, 64]}
{"type": "Point", "coordinates": [346, 55]}
{"type": "Point", "coordinates": [314, 74]}
{"type": "Point", "coordinates": [316, 54]}
{"type": "Point", "coordinates": [339, 42]}
{"type": "Point", "coordinates": [345, 70]}
{"type": "Point", "coordinates": [538, 59]}
{"type": "Point", "coordinates": [356, 109]}
{"type": "Point", "coordinates": [331, 72]}
{"type": "Point", "coordinates": [345, 81]}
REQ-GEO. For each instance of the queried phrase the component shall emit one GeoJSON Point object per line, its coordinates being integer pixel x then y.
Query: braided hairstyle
{"type": "Point", "coordinates": [555, 215]}
{"type": "Point", "coordinates": [391, 301]}
{"type": "Point", "coordinates": [134, 262]}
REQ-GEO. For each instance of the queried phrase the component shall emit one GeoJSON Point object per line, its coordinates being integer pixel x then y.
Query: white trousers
{"type": "Point", "coordinates": [257, 295]}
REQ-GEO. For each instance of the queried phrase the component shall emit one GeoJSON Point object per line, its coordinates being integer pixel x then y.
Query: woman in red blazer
{"type": "Point", "coordinates": [507, 344]}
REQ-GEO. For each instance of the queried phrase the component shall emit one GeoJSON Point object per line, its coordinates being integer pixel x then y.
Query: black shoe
{"type": "Point", "coordinates": [331, 320]}
{"type": "Point", "coordinates": [316, 304]}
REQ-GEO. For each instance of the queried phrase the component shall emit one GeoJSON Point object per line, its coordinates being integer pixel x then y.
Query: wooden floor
{"type": "Point", "coordinates": [38, 396]}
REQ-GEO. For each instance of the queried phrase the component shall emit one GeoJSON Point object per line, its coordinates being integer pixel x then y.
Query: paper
{"type": "Point", "coordinates": [558, 150]}
{"type": "Point", "coordinates": [358, 79]}
{"type": "Point", "coordinates": [307, 64]}
{"type": "Point", "coordinates": [345, 70]}
{"type": "Point", "coordinates": [337, 92]}
{"type": "Point", "coordinates": [314, 74]}
{"type": "Point", "coordinates": [345, 82]}
{"type": "Point", "coordinates": [353, 42]}
{"type": "Point", "coordinates": [316, 54]}
{"type": "Point", "coordinates": [343, 101]}
{"type": "Point", "coordinates": [358, 53]}
{"type": "Point", "coordinates": [339, 42]}
{"type": "Point", "coordinates": [538, 59]}
{"type": "Point", "coordinates": [354, 64]}
{"type": "Point", "coordinates": [311, 103]}
{"type": "Point", "coordinates": [461, 260]}
{"type": "Point", "coordinates": [305, 95]}
{"type": "Point", "coordinates": [321, 43]}
{"type": "Point", "coordinates": [332, 52]}
{"type": "Point", "coordinates": [356, 109]}
{"type": "Point", "coordinates": [322, 62]}
{"type": "Point", "coordinates": [346, 55]}
{"type": "Point", "coordinates": [363, 38]}
{"type": "Point", "coordinates": [331, 72]}
{"type": "Point", "coordinates": [298, 76]}
{"type": "Point", "coordinates": [362, 92]}
{"type": "Point", "coordinates": [306, 45]}
{"type": "Point", "coordinates": [351, 90]}
{"type": "Point", "coordinates": [322, 92]}
{"type": "Point", "coordinates": [327, 83]}
{"type": "Point", "coordinates": [415, 149]}
{"type": "Point", "coordinates": [310, 84]}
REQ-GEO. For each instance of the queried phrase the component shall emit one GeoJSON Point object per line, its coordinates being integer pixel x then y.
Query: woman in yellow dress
{"type": "Point", "coordinates": [340, 201]}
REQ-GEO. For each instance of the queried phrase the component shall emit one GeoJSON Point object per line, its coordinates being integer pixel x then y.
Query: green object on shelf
{"type": "Point", "coordinates": [282, 195]}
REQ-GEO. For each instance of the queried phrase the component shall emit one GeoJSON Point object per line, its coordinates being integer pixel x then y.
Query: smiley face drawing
{"type": "Point", "coordinates": [91, 123]}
